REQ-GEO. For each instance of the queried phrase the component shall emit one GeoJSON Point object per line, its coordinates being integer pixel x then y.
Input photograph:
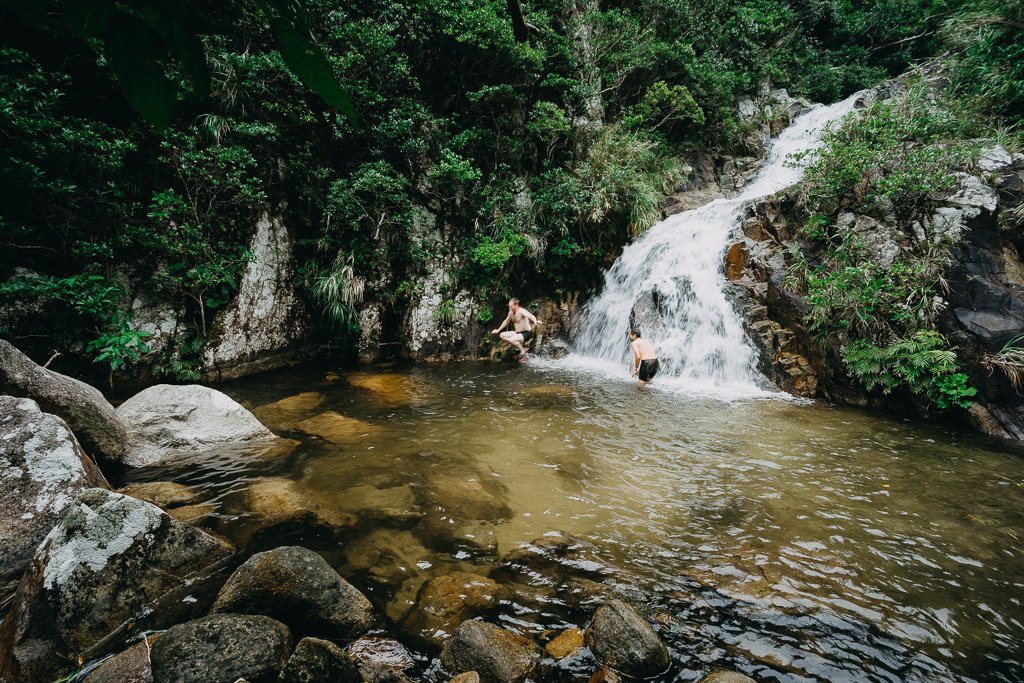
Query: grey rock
{"type": "Point", "coordinates": [129, 666]}
{"type": "Point", "coordinates": [165, 419]}
{"type": "Point", "coordinates": [620, 639]}
{"type": "Point", "coordinates": [105, 561]}
{"type": "Point", "coordinates": [319, 661]}
{"type": "Point", "coordinates": [91, 417]}
{"type": "Point", "coordinates": [496, 654]}
{"type": "Point", "coordinates": [298, 587]}
{"type": "Point", "coordinates": [222, 648]}
{"type": "Point", "coordinates": [42, 470]}
{"type": "Point", "coordinates": [267, 316]}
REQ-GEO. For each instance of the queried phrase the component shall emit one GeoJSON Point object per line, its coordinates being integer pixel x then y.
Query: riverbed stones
{"type": "Point", "coordinates": [316, 660]}
{"type": "Point", "coordinates": [282, 415]}
{"type": "Point", "coordinates": [339, 429]}
{"type": "Point", "coordinates": [622, 640]}
{"type": "Point", "coordinates": [90, 416]}
{"type": "Point", "coordinates": [42, 470]}
{"type": "Point", "coordinates": [495, 653]}
{"type": "Point", "coordinates": [280, 503]}
{"type": "Point", "coordinates": [167, 420]}
{"type": "Point", "coordinates": [222, 648]}
{"type": "Point", "coordinates": [369, 651]}
{"type": "Point", "coordinates": [106, 560]}
{"type": "Point", "coordinates": [445, 601]}
{"type": "Point", "coordinates": [561, 556]}
{"type": "Point", "coordinates": [298, 587]}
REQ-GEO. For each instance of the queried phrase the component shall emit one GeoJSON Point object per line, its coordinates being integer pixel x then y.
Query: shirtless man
{"type": "Point", "coordinates": [646, 359]}
{"type": "Point", "coordinates": [522, 328]}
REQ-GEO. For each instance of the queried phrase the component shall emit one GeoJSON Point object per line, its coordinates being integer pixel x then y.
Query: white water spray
{"type": "Point", "coordinates": [673, 275]}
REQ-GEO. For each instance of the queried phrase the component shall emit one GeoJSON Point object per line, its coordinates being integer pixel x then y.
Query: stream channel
{"type": "Point", "coordinates": [785, 539]}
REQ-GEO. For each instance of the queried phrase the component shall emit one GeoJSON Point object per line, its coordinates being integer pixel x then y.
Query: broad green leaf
{"type": "Point", "coordinates": [88, 18]}
{"type": "Point", "coordinates": [134, 52]}
{"type": "Point", "coordinates": [307, 61]}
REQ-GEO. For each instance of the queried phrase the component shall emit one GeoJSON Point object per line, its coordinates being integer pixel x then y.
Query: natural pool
{"type": "Point", "coordinates": [787, 540]}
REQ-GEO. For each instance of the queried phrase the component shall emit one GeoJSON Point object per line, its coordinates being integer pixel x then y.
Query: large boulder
{"type": "Point", "coordinates": [298, 587]}
{"type": "Point", "coordinates": [496, 654]}
{"type": "Point", "coordinates": [129, 666]}
{"type": "Point", "coordinates": [42, 469]}
{"type": "Point", "coordinates": [90, 416]}
{"type": "Point", "coordinates": [108, 559]}
{"type": "Point", "coordinates": [165, 420]}
{"type": "Point", "coordinates": [222, 648]}
{"type": "Point", "coordinates": [622, 640]}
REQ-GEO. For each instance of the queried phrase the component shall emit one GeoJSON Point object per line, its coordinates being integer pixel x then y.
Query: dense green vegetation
{"type": "Point", "coordinates": [537, 158]}
{"type": "Point", "coordinates": [892, 163]}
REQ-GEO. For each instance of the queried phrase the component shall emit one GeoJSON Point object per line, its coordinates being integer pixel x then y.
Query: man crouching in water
{"type": "Point", "coordinates": [646, 359]}
{"type": "Point", "coordinates": [522, 328]}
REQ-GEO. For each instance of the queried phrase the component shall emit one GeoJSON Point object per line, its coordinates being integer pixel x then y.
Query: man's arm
{"type": "Point", "coordinates": [636, 357]}
{"type": "Point", "coordinates": [507, 319]}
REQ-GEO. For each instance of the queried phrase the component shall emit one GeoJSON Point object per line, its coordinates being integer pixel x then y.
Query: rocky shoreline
{"type": "Point", "coordinates": [121, 586]}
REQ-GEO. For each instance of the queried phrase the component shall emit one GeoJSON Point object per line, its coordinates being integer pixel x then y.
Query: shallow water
{"type": "Point", "coordinates": [788, 540]}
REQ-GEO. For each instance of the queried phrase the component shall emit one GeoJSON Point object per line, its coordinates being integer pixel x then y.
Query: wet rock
{"type": "Point", "coordinates": [338, 429]}
{"type": "Point", "coordinates": [223, 648]}
{"type": "Point", "coordinates": [467, 677]}
{"type": "Point", "coordinates": [496, 654]}
{"type": "Point", "coordinates": [446, 532]}
{"type": "Point", "coordinates": [446, 601]}
{"type": "Point", "coordinates": [380, 651]}
{"type": "Point", "coordinates": [90, 416]}
{"type": "Point", "coordinates": [298, 587]}
{"type": "Point", "coordinates": [319, 661]}
{"type": "Point", "coordinates": [620, 639]}
{"type": "Point", "coordinates": [282, 415]}
{"type": "Point", "coordinates": [266, 318]}
{"type": "Point", "coordinates": [380, 673]}
{"type": "Point", "coordinates": [163, 494]}
{"type": "Point", "coordinates": [166, 420]}
{"type": "Point", "coordinates": [105, 561]}
{"type": "Point", "coordinates": [42, 470]}
{"type": "Point", "coordinates": [726, 677]}
{"type": "Point", "coordinates": [565, 643]}
{"type": "Point", "coordinates": [130, 666]}
{"type": "Point", "coordinates": [390, 388]}
{"type": "Point", "coordinates": [737, 258]}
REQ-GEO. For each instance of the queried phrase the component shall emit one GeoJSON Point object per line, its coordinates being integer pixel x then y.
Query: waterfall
{"type": "Point", "coordinates": [671, 280]}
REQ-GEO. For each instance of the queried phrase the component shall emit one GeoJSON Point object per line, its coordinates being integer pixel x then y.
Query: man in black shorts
{"type": "Point", "coordinates": [522, 328]}
{"type": "Point", "coordinates": [646, 359]}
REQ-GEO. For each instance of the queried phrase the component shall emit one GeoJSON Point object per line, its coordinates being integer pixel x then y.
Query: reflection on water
{"type": "Point", "coordinates": [788, 540]}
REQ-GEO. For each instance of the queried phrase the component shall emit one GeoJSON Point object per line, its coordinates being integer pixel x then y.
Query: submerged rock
{"type": "Point", "coordinates": [223, 648]}
{"type": "Point", "coordinates": [338, 429]}
{"type": "Point", "coordinates": [163, 494]}
{"type": "Point", "coordinates": [279, 503]}
{"type": "Point", "coordinates": [446, 601]}
{"type": "Point", "coordinates": [90, 416]}
{"type": "Point", "coordinates": [42, 470]}
{"type": "Point", "coordinates": [726, 677]}
{"type": "Point", "coordinates": [620, 639]}
{"type": "Point", "coordinates": [496, 654]}
{"type": "Point", "coordinates": [565, 643]}
{"type": "Point", "coordinates": [283, 414]}
{"type": "Point", "coordinates": [298, 587]}
{"type": "Point", "coordinates": [105, 561]}
{"type": "Point", "coordinates": [316, 660]}
{"type": "Point", "coordinates": [166, 420]}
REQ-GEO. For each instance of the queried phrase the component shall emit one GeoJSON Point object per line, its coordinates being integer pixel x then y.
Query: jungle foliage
{"type": "Point", "coordinates": [537, 158]}
{"type": "Point", "coordinates": [890, 165]}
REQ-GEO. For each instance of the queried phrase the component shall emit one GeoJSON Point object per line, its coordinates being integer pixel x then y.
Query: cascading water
{"type": "Point", "coordinates": [671, 281]}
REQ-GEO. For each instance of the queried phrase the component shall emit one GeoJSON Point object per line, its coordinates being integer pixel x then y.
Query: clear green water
{"type": "Point", "coordinates": [791, 541]}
